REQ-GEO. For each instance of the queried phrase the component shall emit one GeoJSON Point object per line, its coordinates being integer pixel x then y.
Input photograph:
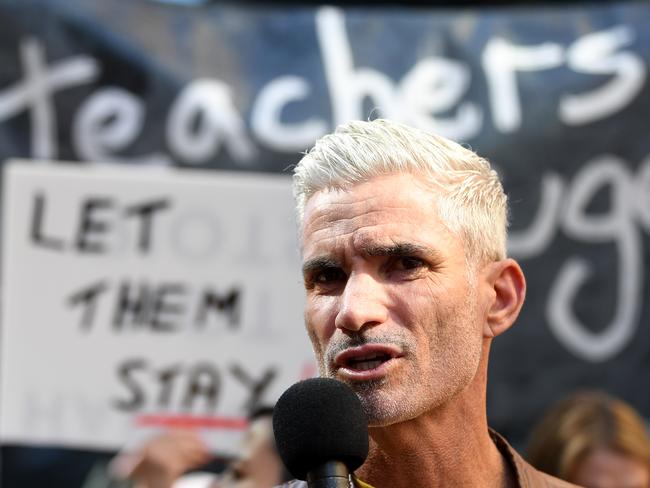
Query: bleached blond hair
{"type": "Point", "coordinates": [470, 198]}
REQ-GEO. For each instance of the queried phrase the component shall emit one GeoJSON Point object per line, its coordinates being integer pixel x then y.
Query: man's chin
{"type": "Point", "coordinates": [377, 422]}
{"type": "Point", "coordinates": [381, 408]}
{"type": "Point", "coordinates": [380, 416]}
{"type": "Point", "coordinates": [378, 401]}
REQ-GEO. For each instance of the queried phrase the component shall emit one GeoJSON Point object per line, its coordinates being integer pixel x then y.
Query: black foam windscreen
{"type": "Point", "coordinates": [320, 420]}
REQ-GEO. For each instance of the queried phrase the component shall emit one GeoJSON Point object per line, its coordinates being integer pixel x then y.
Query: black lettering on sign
{"type": "Point", "coordinates": [94, 225]}
{"type": "Point", "coordinates": [255, 387]}
{"type": "Point", "coordinates": [166, 378]}
{"type": "Point", "coordinates": [36, 229]}
{"type": "Point", "coordinates": [131, 305]}
{"type": "Point", "coordinates": [228, 303]}
{"type": "Point", "coordinates": [88, 298]}
{"type": "Point", "coordinates": [90, 225]}
{"type": "Point", "coordinates": [182, 387]}
{"type": "Point", "coordinates": [144, 212]}
{"type": "Point", "coordinates": [204, 382]}
{"type": "Point", "coordinates": [168, 307]}
{"type": "Point", "coordinates": [163, 307]}
{"type": "Point", "coordinates": [126, 374]}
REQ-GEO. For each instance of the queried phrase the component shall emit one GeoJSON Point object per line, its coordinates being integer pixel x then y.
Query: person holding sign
{"type": "Point", "coordinates": [403, 243]}
{"type": "Point", "coordinates": [180, 459]}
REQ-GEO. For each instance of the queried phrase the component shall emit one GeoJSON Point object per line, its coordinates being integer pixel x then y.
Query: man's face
{"type": "Point", "coordinates": [390, 307]}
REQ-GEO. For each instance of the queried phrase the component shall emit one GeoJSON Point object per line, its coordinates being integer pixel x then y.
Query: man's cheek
{"type": "Point", "coordinates": [320, 321]}
{"type": "Point", "coordinates": [316, 342]}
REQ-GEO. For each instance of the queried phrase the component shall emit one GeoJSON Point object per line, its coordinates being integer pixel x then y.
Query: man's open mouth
{"type": "Point", "coordinates": [366, 363]}
{"type": "Point", "coordinates": [369, 357]}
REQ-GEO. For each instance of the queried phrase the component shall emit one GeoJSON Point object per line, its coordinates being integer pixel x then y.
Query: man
{"type": "Point", "coordinates": [403, 237]}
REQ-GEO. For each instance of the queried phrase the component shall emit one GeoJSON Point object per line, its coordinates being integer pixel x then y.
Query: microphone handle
{"type": "Point", "coordinates": [332, 474]}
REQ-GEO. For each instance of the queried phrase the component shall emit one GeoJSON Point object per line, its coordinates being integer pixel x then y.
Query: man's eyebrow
{"type": "Point", "coordinates": [318, 263]}
{"type": "Point", "coordinates": [401, 249]}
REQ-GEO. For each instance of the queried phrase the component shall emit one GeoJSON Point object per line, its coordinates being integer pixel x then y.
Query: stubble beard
{"type": "Point", "coordinates": [383, 401]}
{"type": "Point", "coordinates": [422, 387]}
{"type": "Point", "coordinates": [385, 405]}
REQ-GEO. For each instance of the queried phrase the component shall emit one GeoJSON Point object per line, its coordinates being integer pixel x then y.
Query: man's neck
{"type": "Point", "coordinates": [449, 446]}
{"type": "Point", "coordinates": [419, 455]}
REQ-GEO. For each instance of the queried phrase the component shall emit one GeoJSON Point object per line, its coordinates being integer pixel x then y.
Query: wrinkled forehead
{"type": "Point", "coordinates": [380, 212]}
{"type": "Point", "coordinates": [396, 189]}
{"type": "Point", "coordinates": [349, 212]}
{"type": "Point", "coordinates": [305, 193]}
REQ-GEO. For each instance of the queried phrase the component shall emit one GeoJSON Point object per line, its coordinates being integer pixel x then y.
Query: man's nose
{"type": "Point", "coordinates": [363, 303]}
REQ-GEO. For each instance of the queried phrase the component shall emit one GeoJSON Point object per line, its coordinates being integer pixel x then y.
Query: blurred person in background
{"type": "Point", "coordinates": [164, 461]}
{"type": "Point", "coordinates": [593, 440]}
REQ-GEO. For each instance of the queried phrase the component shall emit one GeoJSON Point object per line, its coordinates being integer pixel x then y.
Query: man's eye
{"type": "Point", "coordinates": [405, 263]}
{"type": "Point", "coordinates": [328, 275]}
{"type": "Point", "coordinates": [324, 278]}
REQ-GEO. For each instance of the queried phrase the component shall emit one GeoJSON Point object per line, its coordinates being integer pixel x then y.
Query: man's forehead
{"type": "Point", "coordinates": [370, 215]}
{"type": "Point", "coordinates": [398, 186]}
{"type": "Point", "coordinates": [349, 210]}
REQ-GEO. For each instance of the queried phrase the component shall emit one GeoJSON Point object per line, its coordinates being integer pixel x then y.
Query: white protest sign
{"type": "Point", "coordinates": [138, 298]}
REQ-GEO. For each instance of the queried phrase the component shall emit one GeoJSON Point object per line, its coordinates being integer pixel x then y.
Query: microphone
{"type": "Point", "coordinates": [321, 432]}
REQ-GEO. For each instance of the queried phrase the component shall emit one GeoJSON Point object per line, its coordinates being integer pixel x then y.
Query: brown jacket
{"type": "Point", "coordinates": [526, 475]}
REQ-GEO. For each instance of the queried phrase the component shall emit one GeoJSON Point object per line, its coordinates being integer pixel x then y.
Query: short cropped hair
{"type": "Point", "coordinates": [582, 423]}
{"type": "Point", "coordinates": [470, 198]}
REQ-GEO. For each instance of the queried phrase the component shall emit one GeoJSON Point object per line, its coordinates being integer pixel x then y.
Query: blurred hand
{"type": "Point", "coordinates": [163, 459]}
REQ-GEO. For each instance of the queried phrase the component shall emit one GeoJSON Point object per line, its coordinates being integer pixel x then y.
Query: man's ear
{"type": "Point", "coordinates": [508, 291]}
